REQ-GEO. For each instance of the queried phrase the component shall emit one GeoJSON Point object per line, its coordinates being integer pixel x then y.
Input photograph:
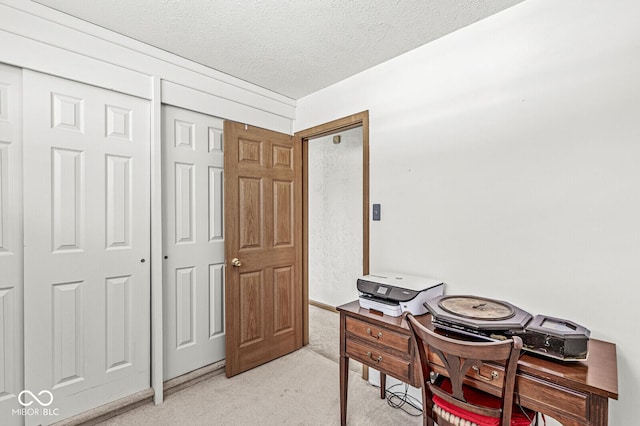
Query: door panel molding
{"type": "Point", "coordinates": [86, 243]}
{"type": "Point", "coordinates": [193, 241]}
{"type": "Point", "coordinates": [263, 228]}
{"type": "Point", "coordinates": [11, 245]}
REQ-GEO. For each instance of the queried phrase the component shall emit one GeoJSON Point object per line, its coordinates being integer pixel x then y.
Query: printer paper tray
{"type": "Point", "coordinates": [385, 306]}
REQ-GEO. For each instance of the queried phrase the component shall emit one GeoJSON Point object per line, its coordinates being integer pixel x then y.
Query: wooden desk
{"type": "Point", "coordinates": [574, 393]}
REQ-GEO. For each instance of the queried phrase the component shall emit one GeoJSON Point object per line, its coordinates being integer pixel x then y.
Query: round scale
{"type": "Point", "coordinates": [477, 308]}
{"type": "Point", "coordinates": [476, 313]}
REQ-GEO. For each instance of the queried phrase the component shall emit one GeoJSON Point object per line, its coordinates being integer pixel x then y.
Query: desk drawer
{"type": "Point", "coordinates": [380, 360]}
{"type": "Point", "coordinates": [379, 335]}
{"type": "Point", "coordinates": [543, 396]}
{"type": "Point", "coordinates": [489, 379]}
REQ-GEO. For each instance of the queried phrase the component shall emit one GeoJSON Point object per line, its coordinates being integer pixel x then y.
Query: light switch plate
{"type": "Point", "coordinates": [376, 212]}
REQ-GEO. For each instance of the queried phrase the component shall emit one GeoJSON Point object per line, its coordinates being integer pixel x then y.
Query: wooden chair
{"type": "Point", "coordinates": [448, 400]}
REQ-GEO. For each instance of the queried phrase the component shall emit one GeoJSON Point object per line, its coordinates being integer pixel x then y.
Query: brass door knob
{"type": "Point", "coordinates": [236, 262]}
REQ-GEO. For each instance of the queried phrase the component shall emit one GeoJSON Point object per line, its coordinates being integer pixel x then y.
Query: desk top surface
{"type": "Point", "coordinates": [598, 374]}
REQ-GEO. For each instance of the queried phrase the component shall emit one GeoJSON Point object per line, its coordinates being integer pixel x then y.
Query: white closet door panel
{"type": "Point", "coordinates": [193, 279]}
{"type": "Point", "coordinates": [11, 276]}
{"type": "Point", "coordinates": [87, 244]}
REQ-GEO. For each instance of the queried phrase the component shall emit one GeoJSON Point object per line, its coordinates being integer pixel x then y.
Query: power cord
{"type": "Point", "coordinates": [402, 400]}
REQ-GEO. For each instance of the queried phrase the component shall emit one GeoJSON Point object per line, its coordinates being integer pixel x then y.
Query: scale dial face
{"type": "Point", "coordinates": [476, 308]}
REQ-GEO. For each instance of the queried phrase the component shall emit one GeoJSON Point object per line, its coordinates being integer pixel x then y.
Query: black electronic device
{"type": "Point", "coordinates": [556, 338]}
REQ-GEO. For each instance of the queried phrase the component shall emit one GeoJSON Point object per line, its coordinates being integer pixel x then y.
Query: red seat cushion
{"type": "Point", "coordinates": [476, 397]}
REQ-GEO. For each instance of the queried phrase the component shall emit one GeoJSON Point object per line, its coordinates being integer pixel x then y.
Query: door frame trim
{"type": "Point", "coordinates": [360, 119]}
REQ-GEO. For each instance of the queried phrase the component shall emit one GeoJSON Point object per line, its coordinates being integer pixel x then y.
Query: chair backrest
{"type": "Point", "coordinates": [459, 357]}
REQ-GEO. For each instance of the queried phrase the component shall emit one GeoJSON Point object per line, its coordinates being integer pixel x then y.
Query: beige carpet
{"type": "Point", "coordinates": [301, 388]}
{"type": "Point", "coordinates": [324, 335]}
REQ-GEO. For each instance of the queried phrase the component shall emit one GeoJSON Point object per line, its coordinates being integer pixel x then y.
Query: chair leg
{"type": "Point", "coordinates": [427, 420]}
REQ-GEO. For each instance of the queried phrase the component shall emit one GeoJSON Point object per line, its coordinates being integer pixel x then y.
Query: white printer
{"type": "Point", "coordinates": [392, 293]}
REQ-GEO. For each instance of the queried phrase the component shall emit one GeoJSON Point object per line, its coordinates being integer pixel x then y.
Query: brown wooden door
{"type": "Point", "coordinates": [263, 231]}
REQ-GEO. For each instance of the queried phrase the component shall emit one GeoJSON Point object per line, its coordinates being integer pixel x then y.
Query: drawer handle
{"type": "Point", "coordinates": [370, 333]}
{"type": "Point", "coordinates": [376, 360]}
{"type": "Point", "coordinates": [494, 374]}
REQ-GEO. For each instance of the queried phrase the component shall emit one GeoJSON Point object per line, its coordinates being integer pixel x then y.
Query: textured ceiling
{"type": "Point", "coordinates": [292, 47]}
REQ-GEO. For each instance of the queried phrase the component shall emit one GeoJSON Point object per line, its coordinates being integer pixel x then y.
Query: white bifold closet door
{"type": "Point", "coordinates": [87, 244]}
{"type": "Point", "coordinates": [11, 367]}
{"type": "Point", "coordinates": [193, 244]}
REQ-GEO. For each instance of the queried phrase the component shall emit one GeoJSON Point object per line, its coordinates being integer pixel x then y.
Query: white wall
{"type": "Point", "coordinates": [505, 157]}
{"type": "Point", "coordinates": [335, 217]}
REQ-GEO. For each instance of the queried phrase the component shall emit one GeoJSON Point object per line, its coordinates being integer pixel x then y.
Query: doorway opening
{"type": "Point", "coordinates": [336, 146]}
